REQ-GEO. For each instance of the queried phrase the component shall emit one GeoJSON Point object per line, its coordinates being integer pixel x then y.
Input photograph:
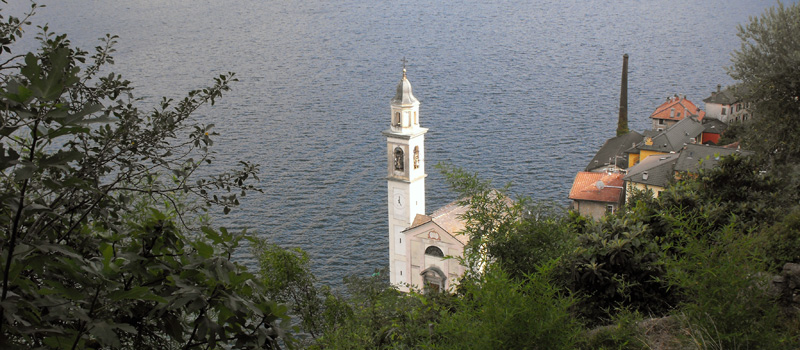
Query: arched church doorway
{"type": "Point", "coordinates": [433, 279]}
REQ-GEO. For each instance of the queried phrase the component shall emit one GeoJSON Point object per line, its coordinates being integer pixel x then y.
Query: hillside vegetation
{"type": "Point", "coordinates": [106, 244]}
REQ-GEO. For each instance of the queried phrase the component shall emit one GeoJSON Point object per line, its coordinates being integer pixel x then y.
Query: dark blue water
{"type": "Point", "coordinates": [518, 91]}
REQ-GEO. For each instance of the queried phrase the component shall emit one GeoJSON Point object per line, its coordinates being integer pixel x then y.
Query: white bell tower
{"type": "Point", "coordinates": [405, 155]}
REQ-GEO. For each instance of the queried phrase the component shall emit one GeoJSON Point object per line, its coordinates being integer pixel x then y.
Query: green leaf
{"type": "Point", "coordinates": [7, 161]}
{"type": "Point", "coordinates": [104, 333]}
{"type": "Point", "coordinates": [212, 234]}
{"type": "Point", "coordinates": [205, 250]}
{"type": "Point", "coordinates": [61, 157]}
{"type": "Point", "coordinates": [25, 172]}
{"type": "Point", "coordinates": [31, 69]}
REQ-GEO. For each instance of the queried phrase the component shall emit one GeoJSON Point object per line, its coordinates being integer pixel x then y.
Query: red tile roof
{"type": "Point", "coordinates": [683, 107]}
{"type": "Point", "coordinates": [585, 187]}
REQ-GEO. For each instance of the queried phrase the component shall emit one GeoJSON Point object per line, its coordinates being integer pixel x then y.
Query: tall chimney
{"type": "Point", "coordinates": [622, 124]}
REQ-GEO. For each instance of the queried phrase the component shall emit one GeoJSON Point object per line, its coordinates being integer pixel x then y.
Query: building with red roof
{"type": "Point", "coordinates": [674, 110]}
{"type": "Point", "coordinates": [595, 194]}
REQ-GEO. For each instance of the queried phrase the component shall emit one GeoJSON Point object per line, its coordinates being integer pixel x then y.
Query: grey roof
{"type": "Point", "coordinates": [674, 138]}
{"type": "Point", "coordinates": [695, 157]}
{"type": "Point", "coordinates": [404, 95]}
{"type": "Point", "coordinates": [650, 133]}
{"type": "Point", "coordinates": [714, 126]}
{"type": "Point", "coordinates": [615, 147]}
{"type": "Point", "coordinates": [729, 96]}
{"type": "Point", "coordinates": [657, 169]}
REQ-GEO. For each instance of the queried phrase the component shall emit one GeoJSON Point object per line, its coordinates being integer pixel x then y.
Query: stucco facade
{"type": "Point", "coordinates": [430, 245]}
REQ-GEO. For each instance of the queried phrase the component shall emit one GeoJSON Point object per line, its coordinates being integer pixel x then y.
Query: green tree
{"type": "Point", "coordinates": [378, 316]}
{"type": "Point", "coordinates": [287, 277]}
{"type": "Point", "coordinates": [766, 64]}
{"type": "Point", "coordinates": [99, 247]}
{"type": "Point", "coordinates": [517, 234]}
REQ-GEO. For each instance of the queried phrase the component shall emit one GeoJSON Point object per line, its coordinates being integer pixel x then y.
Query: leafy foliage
{"type": "Point", "coordinates": [287, 278]}
{"type": "Point", "coordinates": [519, 235]}
{"type": "Point", "coordinates": [97, 249]}
{"type": "Point", "coordinates": [498, 312]}
{"type": "Point", "coordinates": [766, 64]}
{"type": "Point", "coordinates": [726, 304]}
{"type": "Point", "coordinates": [617, 264]}
{"type": "Point", "coordinates": [380, 317]}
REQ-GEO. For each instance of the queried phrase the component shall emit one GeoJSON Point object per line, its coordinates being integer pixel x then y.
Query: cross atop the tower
{"type": "Point", "coordinates": [404, 66]}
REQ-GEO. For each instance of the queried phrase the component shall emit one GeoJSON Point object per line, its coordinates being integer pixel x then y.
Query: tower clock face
{"type": "Point", "coordinates": [399, 200]}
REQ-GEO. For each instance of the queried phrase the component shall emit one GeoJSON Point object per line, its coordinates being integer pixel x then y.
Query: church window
{"type": "Point", "coordinates": [398, 159]}
{"type": "Point", "coordinates": [396, 120]}
{"type": "Point", "coordinates": [434, 251]}
{"type": "Point", "coordinates": [416, 120]}
{"type": "Point", "coordinates": [416, 157]}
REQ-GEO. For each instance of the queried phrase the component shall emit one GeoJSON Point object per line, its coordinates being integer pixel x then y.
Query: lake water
{"type": "Point", "coordinates": [517, 91]}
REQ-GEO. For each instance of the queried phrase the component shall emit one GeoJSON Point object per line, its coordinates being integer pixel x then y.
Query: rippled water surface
{"type": "Point", "coordinates": [518, 91]}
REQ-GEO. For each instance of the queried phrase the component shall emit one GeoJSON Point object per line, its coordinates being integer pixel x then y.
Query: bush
{"type": "Point", "coordinates": [623, 334]}
{"type": "Point", "coordinates": [617, 264]}
{"type": "Point", "coordinates": [726, 305]}
{"type": "Point", "coordinates": [782, 241]}
{"type": "Point", "coordinates": [498, 312]}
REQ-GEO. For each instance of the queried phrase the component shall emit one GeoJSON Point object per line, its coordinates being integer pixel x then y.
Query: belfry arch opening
{"type": "Point", "coordinates": [398, 159]}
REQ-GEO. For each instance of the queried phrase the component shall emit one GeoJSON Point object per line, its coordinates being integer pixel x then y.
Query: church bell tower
{"type": "Point", "coordinates": [405, 168]}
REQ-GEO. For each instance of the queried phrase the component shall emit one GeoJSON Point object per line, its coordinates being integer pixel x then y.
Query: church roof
{"type": "Point", "coordinates": [448, 217]}
{"type": "Point", "coordinates": [404, 95]}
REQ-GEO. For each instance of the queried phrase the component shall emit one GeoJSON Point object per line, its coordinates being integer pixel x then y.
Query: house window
{"type": "Point", "coordinates": [723, 110]}
{"type": "Point", "coordinates": [434, 251]}
{"type": "Point", "coordinates": [398, 159]}
{"type": "Point", "coordinates": [610, 209]}
{"type": "Point", "coordinates": [661, 122]}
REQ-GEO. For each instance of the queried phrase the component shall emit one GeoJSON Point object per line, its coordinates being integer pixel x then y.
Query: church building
{"type": "Point", "coordinates": [418, 243]}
